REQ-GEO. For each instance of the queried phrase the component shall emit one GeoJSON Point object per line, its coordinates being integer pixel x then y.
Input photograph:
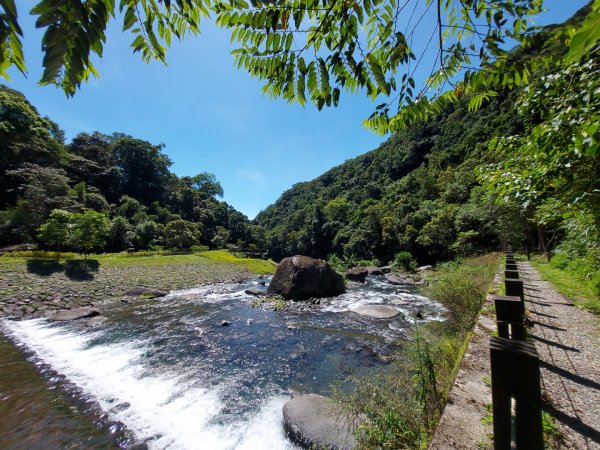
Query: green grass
{"type": "Point", "coordinates": [581, 291]}
{"type": "Point", "coordinates": [259, 266]}
{"type": "Point", "coordinates": [123, 259]}
{"type": "Point", "coordinates": [553, 437]}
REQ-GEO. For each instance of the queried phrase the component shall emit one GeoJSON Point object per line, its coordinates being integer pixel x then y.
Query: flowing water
{"type": "Point", "coordinates": [167, 373]}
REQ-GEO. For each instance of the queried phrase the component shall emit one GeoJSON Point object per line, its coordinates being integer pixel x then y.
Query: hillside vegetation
{"type": "Point", "coordinates": [524, 168]}
{"type": "Point", "coordinates": [417, 192]}
{"type": "Point", "coordinates": [103, 192]}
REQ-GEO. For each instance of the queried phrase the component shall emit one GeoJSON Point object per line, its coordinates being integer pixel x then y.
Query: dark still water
{"type": "Point", "coordinates": [176, 378]}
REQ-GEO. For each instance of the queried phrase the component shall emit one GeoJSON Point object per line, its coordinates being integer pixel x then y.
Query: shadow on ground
{"type": "Point", "coordinates": [76, 269]}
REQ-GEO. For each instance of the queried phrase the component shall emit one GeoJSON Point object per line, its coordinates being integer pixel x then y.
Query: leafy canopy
{"type": "Point", "coordinates": [312, 49]}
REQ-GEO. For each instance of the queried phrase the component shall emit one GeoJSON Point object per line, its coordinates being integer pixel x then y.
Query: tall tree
{"type": "Point", "coordinates": [143, 166]}
{"type": "Point", "coordinates": [90, 230]}
{"type": "Point", "coordinates": [57, 229]}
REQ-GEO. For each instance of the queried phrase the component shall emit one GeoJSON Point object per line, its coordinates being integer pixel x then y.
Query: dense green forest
{"type": "Point", "coordinates": [103, 192]}
{"type": "Point", "coordinates": [524, 169]}
{"type": "Point", "coordinates": [417, 192]}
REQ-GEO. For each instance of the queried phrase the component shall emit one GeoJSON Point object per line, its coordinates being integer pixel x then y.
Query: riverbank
{"type": "Point", "coordinates": [32, 286]}
{"type": "Point", "coordinates": [403, 402]}
{"type": "Point", "coordinates": [209, 356]}
{"type": "Point", "coordinates": [37, 410]}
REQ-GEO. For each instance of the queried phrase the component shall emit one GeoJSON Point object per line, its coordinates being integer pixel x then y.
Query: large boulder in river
{"type": "Point", "coordinates": [357, 274]}
{"type": "Point", "coordinates": [302, 277]}
{"type": "Point", "coordinates": [312, 421]}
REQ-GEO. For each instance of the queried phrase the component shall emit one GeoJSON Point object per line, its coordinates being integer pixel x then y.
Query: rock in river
{"type": "Point", "coordinates": [373, 270]}
{"type": "Point", "coordinates": [75, 313]}
{"type": "Point", "coordinates": [254, 291]}
{"type": "Point", "coordinates": [357, 274]}
{"type": "Point", "coordinates": [139, 291]}
{"type": "Point", "coordinates": [302, 277]}
{"type": "Point", "coordinates": [386, 269]}
{"type": "Point", "coordinates": [96, 321]}
{"type": "Point", "coordinates": [312, 421]}
{"type": "Point", "coordinates": [377, 311]}
{"type": "Point", "coordinates": [395, 279]}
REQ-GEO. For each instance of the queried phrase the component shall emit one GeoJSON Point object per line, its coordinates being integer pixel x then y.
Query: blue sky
{"type": "Point", "coordinates": [211, 116]}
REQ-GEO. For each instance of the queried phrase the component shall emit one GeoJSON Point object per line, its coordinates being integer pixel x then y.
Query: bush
{"type": "Point", "coordinates": [461, 288]}
{"type": "Point", "coordinates": [404, 261]}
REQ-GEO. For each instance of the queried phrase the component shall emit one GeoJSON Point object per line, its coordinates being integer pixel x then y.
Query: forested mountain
{"type": "Point", "coordinates": [524, 168]}
{"type": "Point", "coordinates": [417, 192]}
{"type": "Point", "coordinates": [116, 184]}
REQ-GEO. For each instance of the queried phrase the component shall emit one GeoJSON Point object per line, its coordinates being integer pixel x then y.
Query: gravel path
{"type": "Point", "coordinates": [568, 342]}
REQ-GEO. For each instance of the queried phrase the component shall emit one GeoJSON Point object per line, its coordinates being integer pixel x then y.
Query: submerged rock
{"type": "Point", "coordinates": [96, 321]}
{"type": "Point", "coordinates": [302, 277]}
{"type": "Point", "coordinates": [377, 311]}
{"type": "Point", "coordinates": [254, 291]}
{"type": "Point", "coordinates": [312, 421]}
{"type": "Point", "coordinates": [74, 314]}
{"type": "Point", "coordinates": [357, 274]}
{"type": "Point", "coordinates": [292, 325]}
{"type": "Point", "coordinates": [139, 291]}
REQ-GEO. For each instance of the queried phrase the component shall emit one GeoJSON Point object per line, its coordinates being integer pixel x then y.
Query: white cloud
{"type": "Point", "coordinates": [253, 175]}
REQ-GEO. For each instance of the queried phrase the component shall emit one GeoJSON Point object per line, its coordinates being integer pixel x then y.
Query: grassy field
{"type": "Point", "coordinates": [258, 266]}
{"type": "Point", "coordinates": [579, 289]}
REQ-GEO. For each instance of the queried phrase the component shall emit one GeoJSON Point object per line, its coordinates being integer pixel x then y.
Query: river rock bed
{"type": "Point", "coordinates": [35, 289]}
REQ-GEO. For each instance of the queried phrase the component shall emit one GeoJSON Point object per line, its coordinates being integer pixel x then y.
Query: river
{"type": "Point", "coordinates": [166, 373]}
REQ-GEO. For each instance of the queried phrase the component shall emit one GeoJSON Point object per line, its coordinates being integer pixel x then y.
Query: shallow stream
{"type": "Point", "coordinates": [167, 373]}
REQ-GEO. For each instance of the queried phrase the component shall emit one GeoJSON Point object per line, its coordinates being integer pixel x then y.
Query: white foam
{"type": "Point", "coordinates": [164, 405]}
{"type": "Point", "coordinates": [211, 294]}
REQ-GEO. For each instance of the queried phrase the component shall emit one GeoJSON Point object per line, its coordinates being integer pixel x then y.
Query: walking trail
{"type": "Point", "coordinates": [568, 342]}
{"type": "Point", "coordinates": [567, 339]}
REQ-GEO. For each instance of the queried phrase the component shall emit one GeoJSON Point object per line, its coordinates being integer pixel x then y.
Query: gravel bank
{"type": "Point", "coordinates": [41, 288]}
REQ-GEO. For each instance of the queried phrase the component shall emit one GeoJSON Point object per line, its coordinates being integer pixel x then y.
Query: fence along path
{"type": "Point", "coordinates": [567, 340]}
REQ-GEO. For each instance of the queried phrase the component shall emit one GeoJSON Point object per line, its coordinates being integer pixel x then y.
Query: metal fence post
{"type": "Point", "coordinates": [516, 374]}
{"type": "Point", "coordinates": [514, 287]}
{"type": "Point", "coordinates": [509, 316]}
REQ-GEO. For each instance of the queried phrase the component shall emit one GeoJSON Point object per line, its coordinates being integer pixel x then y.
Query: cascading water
{"type": "Point", "coordinates": [176, 378]}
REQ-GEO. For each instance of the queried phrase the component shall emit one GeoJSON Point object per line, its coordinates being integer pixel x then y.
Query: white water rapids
{"type": "Point", "coordinates": [177, 379]}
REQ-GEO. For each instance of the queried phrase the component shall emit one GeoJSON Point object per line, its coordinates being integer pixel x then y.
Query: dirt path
{"type": "Point", "coordinates": [568, 342]}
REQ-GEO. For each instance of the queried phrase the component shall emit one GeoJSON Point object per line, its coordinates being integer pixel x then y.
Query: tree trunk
{"type": "Point", "coordinates": [543, 244]}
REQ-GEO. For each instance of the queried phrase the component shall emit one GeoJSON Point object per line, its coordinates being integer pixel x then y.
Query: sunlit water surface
{"type": "Point", "coordinates": [175, 378]}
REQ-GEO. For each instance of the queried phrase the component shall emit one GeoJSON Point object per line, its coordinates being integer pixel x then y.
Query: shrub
{"type": "Point", "coordinates": [461, 288]}
{"type": "Point", "coordinates": [404, 261]}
